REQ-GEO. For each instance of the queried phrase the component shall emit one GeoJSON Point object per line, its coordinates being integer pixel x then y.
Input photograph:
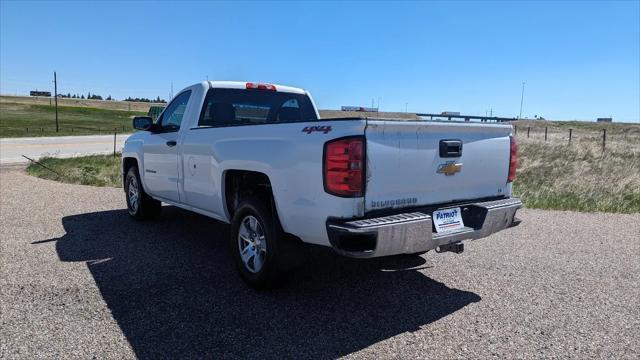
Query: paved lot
{"type": "Point", "coordinates": [12, 149]}
{"type": "Point", "coordinates": [81, 279]}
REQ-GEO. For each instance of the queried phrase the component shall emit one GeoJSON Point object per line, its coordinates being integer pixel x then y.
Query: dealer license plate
{"type": "Point", "coordinates": [448, 220]}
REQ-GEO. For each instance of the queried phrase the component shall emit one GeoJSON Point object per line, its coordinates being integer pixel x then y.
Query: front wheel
{"type": "Point", "coordinates": [141, 206]}
{"type": "Point", "coordinates": [255, 244]}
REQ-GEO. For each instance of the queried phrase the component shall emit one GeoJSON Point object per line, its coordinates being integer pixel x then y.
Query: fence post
{"type": "Point", "coordinates": [114, 142]}
{"type": "Point", "coordinates": [545, 133]}
{"type": "Point", "coordinates": [515, 128]}
{"type": "Point", "coordinates": [604, 138]}
{"type": "Point", "coordinates": [27, 129]}
{"type": "Point", "coordinates": [528, 130]}
{"type": "Point", "coordinates": [570, 136]}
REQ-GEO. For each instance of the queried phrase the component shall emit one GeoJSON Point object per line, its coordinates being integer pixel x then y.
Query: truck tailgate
{"type": "Point", "coordinates": [405, 167]}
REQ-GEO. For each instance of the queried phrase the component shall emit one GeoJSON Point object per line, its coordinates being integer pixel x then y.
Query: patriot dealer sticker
{"type": "Point", "coordinates": [448, 220]}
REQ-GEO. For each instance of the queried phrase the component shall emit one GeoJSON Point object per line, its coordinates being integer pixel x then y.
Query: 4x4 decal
{"type": "Point", "coordinates": [309, 129]}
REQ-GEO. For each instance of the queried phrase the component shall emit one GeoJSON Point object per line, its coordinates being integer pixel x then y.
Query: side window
{"type": "Point", "coordinates": [172, 116]}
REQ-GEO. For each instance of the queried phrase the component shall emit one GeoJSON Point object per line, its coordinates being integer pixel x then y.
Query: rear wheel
{"type": "Point", "coordinates": [256, 241]}
{"type": "Point", "coordinates": [141, 206]}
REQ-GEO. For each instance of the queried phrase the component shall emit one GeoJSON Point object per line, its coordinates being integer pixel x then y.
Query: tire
{"type": "Point", "coordinates": [140, 205]}
{"type": "Point", "coordinates": [256, 243]}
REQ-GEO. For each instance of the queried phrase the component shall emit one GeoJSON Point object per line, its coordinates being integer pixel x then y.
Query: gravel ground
{"type": "Point", "coordinates": [80, 279]}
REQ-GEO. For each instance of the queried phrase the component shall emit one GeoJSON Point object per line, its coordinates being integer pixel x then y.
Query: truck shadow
{"type": "Point", "coordinates": [171, 286]}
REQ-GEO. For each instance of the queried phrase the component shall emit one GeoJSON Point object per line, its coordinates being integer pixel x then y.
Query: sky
{"type": "Point", "coordinates": [578, 60]}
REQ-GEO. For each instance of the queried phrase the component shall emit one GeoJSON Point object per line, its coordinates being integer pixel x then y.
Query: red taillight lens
{"type": "Point", "coordinates": [258, 86]}
{"type": "Point", "coordinates": [513, 159]}
{"type": "Point", "coordinates": [344, 171]}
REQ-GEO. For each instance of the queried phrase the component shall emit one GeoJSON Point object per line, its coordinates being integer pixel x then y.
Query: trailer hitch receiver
{"type": "Point", "coordinates": [456, 248]}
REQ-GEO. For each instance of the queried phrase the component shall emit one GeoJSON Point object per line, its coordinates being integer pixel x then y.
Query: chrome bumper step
{"type": "Point", "coordinates": [412, 232]}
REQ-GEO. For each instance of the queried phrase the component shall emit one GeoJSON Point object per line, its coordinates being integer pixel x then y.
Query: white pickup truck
{"type": "Point", "coordinates": [259, 157]}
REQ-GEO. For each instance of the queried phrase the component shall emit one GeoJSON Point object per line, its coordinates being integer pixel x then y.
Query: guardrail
{"type": "Point", "coordinates": [466, 117]}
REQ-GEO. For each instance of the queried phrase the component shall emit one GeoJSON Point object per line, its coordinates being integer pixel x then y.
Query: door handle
{"type": "Point", "coordinates": [171, 143]}
{"type": "Point", "coordinates": [450, 148]}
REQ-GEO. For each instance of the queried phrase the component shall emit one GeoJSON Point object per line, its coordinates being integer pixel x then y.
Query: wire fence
{"type": "Point", "coordinates": [627, 136]}
{"type": "Point", "coordinates": [66, 130]}
{"type": "Point", "coordinates": [99, 129]}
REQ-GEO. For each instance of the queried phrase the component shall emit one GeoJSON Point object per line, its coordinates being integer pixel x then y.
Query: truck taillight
{"type": "Point", "coordinates": [343, 166]}
{"type": "Point", "coordinates": [513, 159]}
{"type": "Point", "coordinates": [258, 86]}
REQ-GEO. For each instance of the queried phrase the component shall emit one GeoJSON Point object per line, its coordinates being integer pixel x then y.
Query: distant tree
{"type": "Point", "coordinates": [109, 98]}
{"type": "Point", "coordinates": [82, 97]}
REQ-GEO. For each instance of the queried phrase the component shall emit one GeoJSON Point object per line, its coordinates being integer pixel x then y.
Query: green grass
{"type": "Point", "coordinates": [20, 120]}
{"type": "Point", "coordinates": [97, 170]}
{"type": "Point", "coordinates": [581, 178]}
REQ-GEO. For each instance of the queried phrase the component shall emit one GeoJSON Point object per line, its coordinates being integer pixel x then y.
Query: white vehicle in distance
{"type": "Point", "coordinates": [259, 157]}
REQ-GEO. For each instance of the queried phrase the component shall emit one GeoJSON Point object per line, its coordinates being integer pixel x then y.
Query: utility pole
{"type": "Point", "coordinates": [405, 107]}
{"type": "Point", "coordinates": [55, 94]}
{"type": "Point", "coordinates": [171, 94]}
{"type": "Point", "coordinates": [491, 112]}
{"type": "Point", "coordinates": [521, 101]}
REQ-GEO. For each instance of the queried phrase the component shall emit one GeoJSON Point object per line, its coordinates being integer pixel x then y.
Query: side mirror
{"type": "Point", "coordinates": [144, 123]}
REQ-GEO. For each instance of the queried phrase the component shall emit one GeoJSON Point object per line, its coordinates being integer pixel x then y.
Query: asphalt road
{"type": "Point", "coordinates": [80, 279]}
{"type": "Point", "coordinates": [12, 149]}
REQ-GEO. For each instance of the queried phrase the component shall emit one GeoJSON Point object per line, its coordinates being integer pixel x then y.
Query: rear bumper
{"type": "Point", "coordinates": [413, 232]}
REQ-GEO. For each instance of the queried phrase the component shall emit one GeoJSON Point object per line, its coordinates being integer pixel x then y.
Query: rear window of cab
{"type": "Point", "coordinates": [233, 107]}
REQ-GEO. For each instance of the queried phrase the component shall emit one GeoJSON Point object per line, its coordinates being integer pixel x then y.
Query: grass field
{"type": "Point", "coordinates": [579, 175]}
{"type": "Point", "coordinates": [98, 104]}
{"type": "Point", "coordinates": [583, 178]}
{"type": "Point", "coordinates": [98, 170]}
{"type": "Point", "coordinates": [23, 120]}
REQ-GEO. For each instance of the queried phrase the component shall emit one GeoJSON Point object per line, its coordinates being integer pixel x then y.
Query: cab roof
{"type": "Point", "coordinates": [243, 85]}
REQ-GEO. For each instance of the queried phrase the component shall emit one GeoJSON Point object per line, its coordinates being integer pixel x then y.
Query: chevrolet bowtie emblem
{"type": "Point", "coordinates": [449, 168]}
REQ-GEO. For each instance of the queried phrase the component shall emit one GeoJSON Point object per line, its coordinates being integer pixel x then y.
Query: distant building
{"type": "Point", "coordinates": [605, 119]}
{"type": "Point", "coordinates": [39, 93]}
